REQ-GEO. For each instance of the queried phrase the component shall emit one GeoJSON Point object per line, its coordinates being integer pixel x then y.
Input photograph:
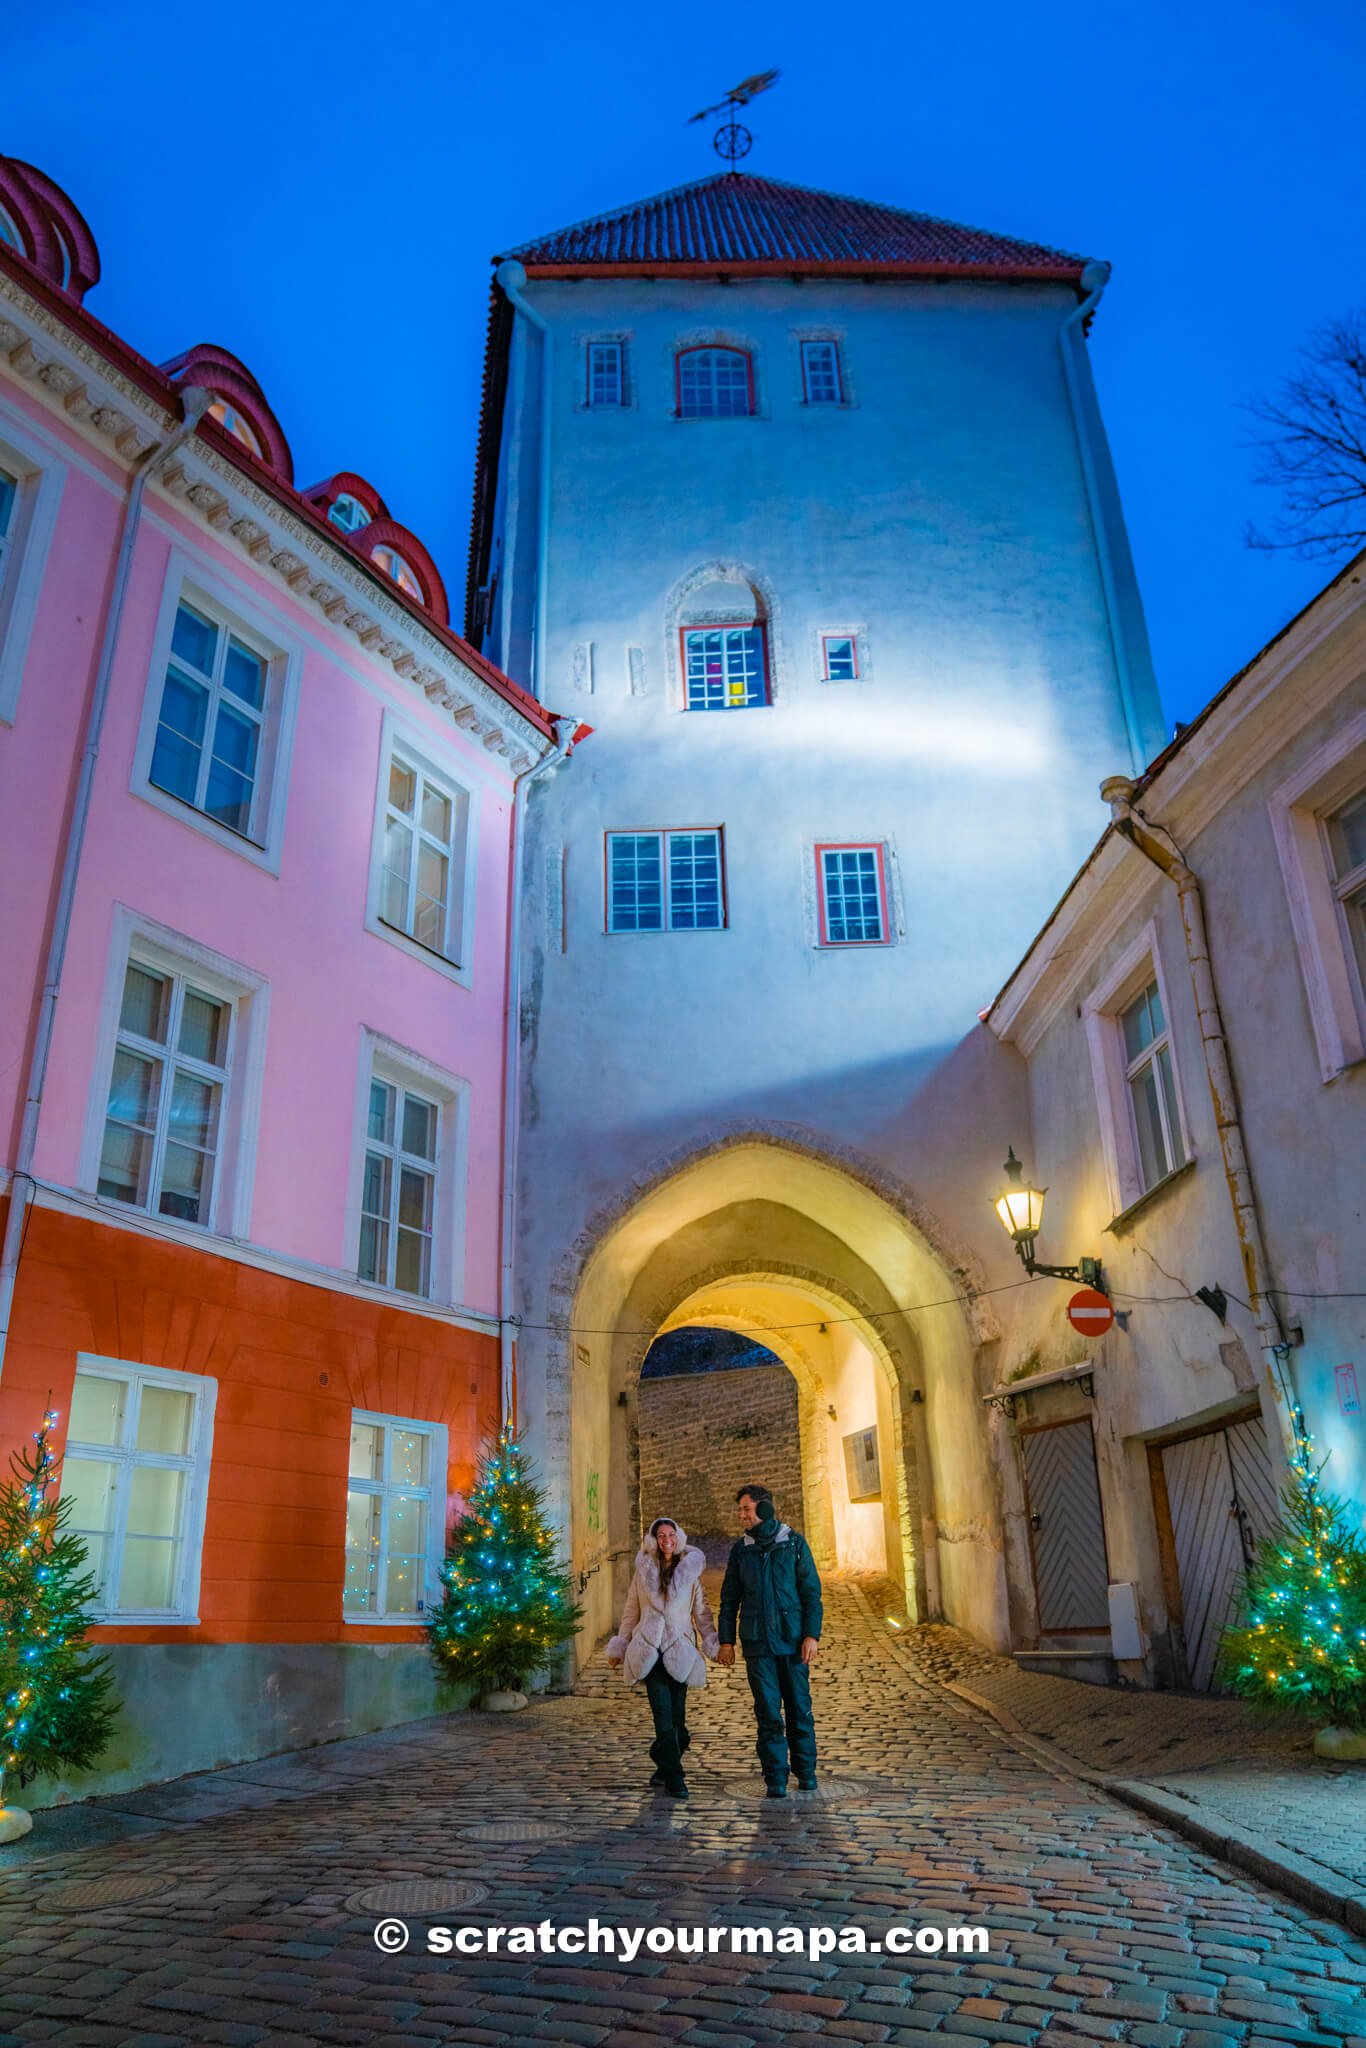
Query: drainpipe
{"type": "Point", "coordinates": [567, 730]}
{"type": "Point", "coordinates": [511, 277]}
{"type": "Point", "coordinates": [1156, 844]}
{"type": "Point", "coordinates": [1072, 340]}
{"type": "Point", "coordinates": [195, 403]}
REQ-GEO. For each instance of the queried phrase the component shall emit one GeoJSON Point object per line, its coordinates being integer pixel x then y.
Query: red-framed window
{"type": "Point", "coordinates": [667, 881]}
{"type": "Point", "coordinates": [714, 383]}
{"type": "Point", "coordinates": [839, 657]}
{"type": "Point", "coordinates": [822, 383]}
{"type": "Point", "coordinates": [851, 889]}
{"type": "Point", "coordinates": [606, 375]}
{"type": "Point", "coordinates": [725, 668]}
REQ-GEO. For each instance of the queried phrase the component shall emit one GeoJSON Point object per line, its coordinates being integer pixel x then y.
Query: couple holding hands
{"type": "Point", "coordinates": [772, 1588]}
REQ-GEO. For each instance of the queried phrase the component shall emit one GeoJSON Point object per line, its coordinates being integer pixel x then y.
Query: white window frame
{"type": "Point", "coordinates": [663, 833]}
{"type": "Point", "coordinates": [437, 1496]}
{"type": "Point", "coordinates": [231, 607]}
{"type": "Point", "coordinates": [849, 633]}
{"type": "Point", "coordinates": [618, 348]}
{"type": "Point", "coordinates": [197, 1463]}
{"type": "Point", "coordinates": [41, 478]}
{"type": "Point", "coordinates": [421, 753]}
{"type": "Point", "coordinates": [169, 952]}
{"type": "Point", "coordinates": [1321, 785]}
{"type": "Point", "coordinates": [811, 341]}
{"type": "Point", "coordinates": [347, 524]}
{"type": "Point", "coordinates": [1102, 1012]}
{"type": "Point", "coordinates": [383, 1060]}
{"type": "Point", "coordinates": [888, 934]}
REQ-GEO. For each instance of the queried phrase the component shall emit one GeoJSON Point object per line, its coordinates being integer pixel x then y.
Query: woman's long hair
{"type": "Point", "coordinates": [666, 1564]}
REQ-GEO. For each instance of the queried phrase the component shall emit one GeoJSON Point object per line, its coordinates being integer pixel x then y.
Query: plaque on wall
{"type": "Point", "coordinates": [861, 1465]}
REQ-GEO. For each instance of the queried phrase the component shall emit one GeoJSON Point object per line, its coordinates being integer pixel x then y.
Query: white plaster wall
{"type": "Point", "coordinates": [943, 513]}
{"type": "Point", "coordinates": [1305, 1139]}
{"type": "Point", "coordinates": [852, 1392]}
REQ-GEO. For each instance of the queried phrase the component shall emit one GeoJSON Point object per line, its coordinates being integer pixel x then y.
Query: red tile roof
{"type": "Point", "coordinates": [741, 223]}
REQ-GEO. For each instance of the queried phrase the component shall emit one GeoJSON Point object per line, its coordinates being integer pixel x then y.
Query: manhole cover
{"type": "Point", "coordinates": [831, 1790]}
{"type": "Point", "coordinates": [70, 1894]}
{"type": "Point", "coordinates": [418, 1896]}
{"type": "Point", "coordinates": [514, 1831]}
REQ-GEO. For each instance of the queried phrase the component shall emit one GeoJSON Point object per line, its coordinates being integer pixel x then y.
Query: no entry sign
{"type": "Point", "coordinates": [1090, 1312]}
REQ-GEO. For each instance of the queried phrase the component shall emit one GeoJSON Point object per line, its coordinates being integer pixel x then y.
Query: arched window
{"type": "Point", "coordinates": [348, 513]}
{"type": "Point", "coordinates": [241, 430]}
{"type": "Point", "coordinates": [403, 573]}
{"type": "Point", "coordinates": [9, 232]}
{"type": "Point", "coordinates": [715, 383]}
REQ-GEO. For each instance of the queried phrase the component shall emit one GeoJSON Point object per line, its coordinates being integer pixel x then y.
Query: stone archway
{"type": "Point", "coordinates": [770, 1217]}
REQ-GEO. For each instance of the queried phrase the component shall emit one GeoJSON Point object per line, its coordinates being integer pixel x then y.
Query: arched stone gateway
{"type": "Point", "coordinates": [847, 1280]}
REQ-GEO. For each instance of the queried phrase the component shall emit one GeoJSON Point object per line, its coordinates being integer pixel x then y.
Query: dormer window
{"type": "Point", "coordinates": [233, 422]}
{"type": "Point", "coordinates": [348, 513]}
{"type": "Point", "coordinates": [715, 384]}
{"type": "Point", "coordinates": [9, 232]}
{"type": "Point", "coordinates": [403, 573]}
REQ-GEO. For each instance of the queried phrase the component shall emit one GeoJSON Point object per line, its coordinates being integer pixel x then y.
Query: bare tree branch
{"type": "Point", "coordinates": [1313, 452]}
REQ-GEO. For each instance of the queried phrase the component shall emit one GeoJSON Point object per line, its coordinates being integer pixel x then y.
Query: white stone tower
{"type": "Point", "coordinates": [803, 503]}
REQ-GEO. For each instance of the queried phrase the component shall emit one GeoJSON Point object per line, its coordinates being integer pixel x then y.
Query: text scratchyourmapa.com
{"type": "Point", "coordinates": [598, 1938]}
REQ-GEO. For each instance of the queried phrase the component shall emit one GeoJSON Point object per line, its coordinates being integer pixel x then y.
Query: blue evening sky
{"type": "Point", "coordinates": [320, 188]}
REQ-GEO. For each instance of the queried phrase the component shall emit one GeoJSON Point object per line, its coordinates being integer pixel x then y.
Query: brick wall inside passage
{"type": "Point", "coordinates": [703, 1435]}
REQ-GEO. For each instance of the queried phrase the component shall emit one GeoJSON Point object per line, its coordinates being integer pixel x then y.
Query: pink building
{"type": "Point", "coordinates": [257, 803]}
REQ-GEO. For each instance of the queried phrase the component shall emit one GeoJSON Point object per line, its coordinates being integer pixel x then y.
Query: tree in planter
{"type": "Point", "coordinates": [56, 1708]}
{"type": "Point", "coordinates": [506, 1602]}
{"type": "Point", "coordinates": [1299, 1642]}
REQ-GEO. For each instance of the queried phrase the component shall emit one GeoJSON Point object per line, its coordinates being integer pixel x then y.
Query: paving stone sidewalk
{"type": "Point", "coordinates": [234, 1908]}
{"type": "Point", "coordinates": [1210, 1766]}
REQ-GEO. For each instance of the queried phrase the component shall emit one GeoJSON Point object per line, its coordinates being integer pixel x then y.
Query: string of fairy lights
{"type": "Point", "coordinates": [42, 1519]}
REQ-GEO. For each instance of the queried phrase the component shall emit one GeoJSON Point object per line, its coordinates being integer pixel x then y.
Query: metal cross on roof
{"type": "Point", "coordinates": [732, 139]}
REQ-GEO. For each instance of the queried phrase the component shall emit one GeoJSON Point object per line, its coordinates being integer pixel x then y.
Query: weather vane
{"type": "Point", "coordinates": [732, 140]}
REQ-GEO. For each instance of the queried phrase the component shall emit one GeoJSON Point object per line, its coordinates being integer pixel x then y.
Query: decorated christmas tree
{"type": "Point", "coordinates": [1299, 1642]}
{"type": "Point", "coordinates": [506, 1602]}
{"type": "Point", "coordinates": [55, 1691]}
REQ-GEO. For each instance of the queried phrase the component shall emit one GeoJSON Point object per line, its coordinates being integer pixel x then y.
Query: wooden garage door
{"type": "Point", "coordinates": [1222, 1496]}
{"type": "Point", "coordinates": [1067, 1535]}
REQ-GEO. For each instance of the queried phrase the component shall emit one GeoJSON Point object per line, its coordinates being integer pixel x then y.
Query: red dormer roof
{"type": "Point", "coordinates": [746, 226]}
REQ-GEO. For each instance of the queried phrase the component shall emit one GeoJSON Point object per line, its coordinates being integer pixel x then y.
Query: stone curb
{"type": "Point", "coordinates": [1308, 1883]}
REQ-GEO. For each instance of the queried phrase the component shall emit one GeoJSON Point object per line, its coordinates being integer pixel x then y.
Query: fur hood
{"type": "Point", "coordinates": [657, 1624]}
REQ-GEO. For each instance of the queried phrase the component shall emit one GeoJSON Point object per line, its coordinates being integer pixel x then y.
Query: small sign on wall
{"type": "Point", "coordinates": [1349, 1397]}
{"type": "Point", "coordinates": [861, 1465]}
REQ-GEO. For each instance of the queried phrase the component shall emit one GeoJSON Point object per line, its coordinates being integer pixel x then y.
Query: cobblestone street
{"type": "Point", "coordinates": [240, 1923]}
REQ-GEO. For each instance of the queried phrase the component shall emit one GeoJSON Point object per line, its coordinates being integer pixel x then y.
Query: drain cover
{"type": "Point", "coordinates": [513, 1831]}
{"type": "Point", "coordinates": [71, 1894]}
{"type": "Point", "coordinates": [418, 1896]}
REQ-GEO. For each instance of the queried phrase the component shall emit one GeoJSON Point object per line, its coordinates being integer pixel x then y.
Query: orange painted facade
{"type": "Point", "coordinates": [291, 1361]}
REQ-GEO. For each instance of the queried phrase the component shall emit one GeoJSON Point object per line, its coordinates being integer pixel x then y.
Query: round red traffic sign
{"type": "Point", "coordinates": [1090, 1312]}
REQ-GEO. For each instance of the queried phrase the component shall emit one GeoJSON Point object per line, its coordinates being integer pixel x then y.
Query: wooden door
{"type": "Point", "coordinates": [1067, 1532]}
{"type": "Point", "coordinates": [1221, 1495]}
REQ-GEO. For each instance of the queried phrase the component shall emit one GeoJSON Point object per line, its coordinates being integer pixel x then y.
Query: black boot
{"type": "Point", "coordinates": [676, 1788]}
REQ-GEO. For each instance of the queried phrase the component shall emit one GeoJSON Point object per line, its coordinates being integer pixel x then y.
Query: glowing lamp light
{"type": "Point", "coordinates": [1020, 1208]}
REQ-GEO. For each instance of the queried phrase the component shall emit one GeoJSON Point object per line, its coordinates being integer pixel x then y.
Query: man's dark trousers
{"type": "Point", "coordinates": [668, 1699]}
{"type": "Point", "coordinates": [782, 1706]}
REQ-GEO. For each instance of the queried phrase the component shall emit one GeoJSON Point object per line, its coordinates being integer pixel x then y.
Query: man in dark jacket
{"type": "Point", "coordinates": [772, 1584]}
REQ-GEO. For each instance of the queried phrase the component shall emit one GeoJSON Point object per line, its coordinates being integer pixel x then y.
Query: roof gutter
{"type": "Point", "coordinates": [567, 731]}
{"type": "Point", "coordinates": [1156, 845]}
{"type": "Point", "coordinates": [511, 277]}
{"type": "Point", "coordinates": [195, 402]}
{"type": "Point", "coordinates": [1076, 372]}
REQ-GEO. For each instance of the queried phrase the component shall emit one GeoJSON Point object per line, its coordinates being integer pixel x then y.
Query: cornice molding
{"type": "Point", "coordinates": [126, 421]}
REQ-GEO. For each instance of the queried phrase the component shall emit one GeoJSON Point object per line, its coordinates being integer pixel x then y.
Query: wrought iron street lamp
{"type": "Point", "coordinates": [1020, 1208]}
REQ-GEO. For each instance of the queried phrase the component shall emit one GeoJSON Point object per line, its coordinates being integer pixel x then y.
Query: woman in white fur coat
{"type": "Point", "coordinates": [666, 1613]}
